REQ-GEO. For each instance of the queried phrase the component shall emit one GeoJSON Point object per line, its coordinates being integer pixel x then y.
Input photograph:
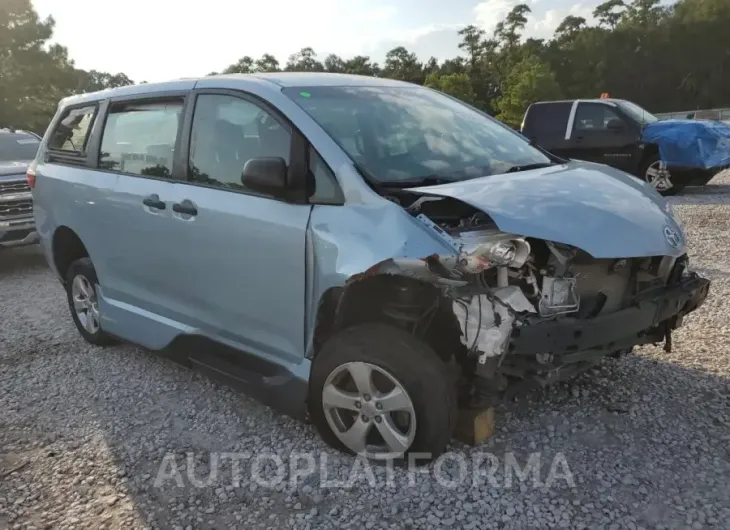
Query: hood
{"type": "Point", "coordinates": [601, 210]}
{"type": "Point", "coordinates": [14, 168]}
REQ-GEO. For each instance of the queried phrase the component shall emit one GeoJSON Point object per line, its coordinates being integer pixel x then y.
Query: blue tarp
{"type": "Point", "coordinates": [688, 143]}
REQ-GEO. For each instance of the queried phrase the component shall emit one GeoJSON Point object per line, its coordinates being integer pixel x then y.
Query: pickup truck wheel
{"type": "Point", "coordinates": [652, 173]}
{"type": "Point", "coordinates": [380, 392]}
{"type": "Point", "coordinates": [81, 284]}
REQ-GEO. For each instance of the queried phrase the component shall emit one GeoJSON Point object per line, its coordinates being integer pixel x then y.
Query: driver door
{"type": "Point", "coordinates": [594, 140]}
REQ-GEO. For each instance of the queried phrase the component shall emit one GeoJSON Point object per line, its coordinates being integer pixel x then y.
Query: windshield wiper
{"type": "Point", "coordinates": [527, 167]}
{"type": "Point", "coordinates": [430, 180]}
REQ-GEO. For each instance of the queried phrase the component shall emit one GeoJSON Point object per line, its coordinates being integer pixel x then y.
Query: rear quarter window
{"type": "Point", "coordinates": [547, 119]}
{"type": "Point", "coordinates": [71, 133]}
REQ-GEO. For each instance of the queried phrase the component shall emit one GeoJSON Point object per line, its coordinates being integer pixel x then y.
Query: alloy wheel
{"type": "Point", "coordinates": [369, 410]}
{"type": "Point", "coordinates": [85, 303]}
{"type": "Point", "coordinates": [658, 177]}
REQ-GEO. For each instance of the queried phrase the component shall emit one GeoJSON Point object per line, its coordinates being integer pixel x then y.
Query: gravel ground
{"type": "Point", "coordinates": [640, 442]}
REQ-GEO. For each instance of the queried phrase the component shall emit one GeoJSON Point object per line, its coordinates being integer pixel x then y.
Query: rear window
{"type": "Point", "coordinates": [547, 119]}
{"type": "Point", "coordinates": [17, 147]}
{"type": "Point", "coordinates": [72, 131]}
{"type": "Point", "coordinates": [139, 138]}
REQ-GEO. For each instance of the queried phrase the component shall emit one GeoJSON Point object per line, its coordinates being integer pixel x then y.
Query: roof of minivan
{"type": "Point", "coordinates": [276, 80]}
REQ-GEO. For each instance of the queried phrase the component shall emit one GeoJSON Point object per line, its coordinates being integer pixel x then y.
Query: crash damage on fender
{"type": "Point", "coordinates": [536, 284]}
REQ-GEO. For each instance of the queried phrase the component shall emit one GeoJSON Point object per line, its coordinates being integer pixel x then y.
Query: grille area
{"type": "Point", "coordinates": [20, 208]}
{"type": "Point", "coordinates": [15, 200]}
{"type": "Point", "coordinates": [17, 186]}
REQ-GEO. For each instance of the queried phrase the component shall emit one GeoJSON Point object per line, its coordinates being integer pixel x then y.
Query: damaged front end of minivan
{"type": "Point", "coordinates": [513, 310]}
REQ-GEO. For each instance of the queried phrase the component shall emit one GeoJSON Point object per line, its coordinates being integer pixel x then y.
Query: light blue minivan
{"type": "Point", "coordinates": [369, 253]}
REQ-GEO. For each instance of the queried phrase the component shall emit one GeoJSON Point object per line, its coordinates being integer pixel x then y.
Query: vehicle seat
{"type": "Point", "coordinates": [228, 141]}
{"type": "Point", "coordinates": [274, 140]}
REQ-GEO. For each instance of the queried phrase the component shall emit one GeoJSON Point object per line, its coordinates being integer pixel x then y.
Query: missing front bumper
{"type": "Point", "coordinates": [644, 322]}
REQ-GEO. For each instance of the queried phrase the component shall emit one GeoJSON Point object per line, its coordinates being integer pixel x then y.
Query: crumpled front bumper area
{"type": "Point", "coordinates": [650, 319]}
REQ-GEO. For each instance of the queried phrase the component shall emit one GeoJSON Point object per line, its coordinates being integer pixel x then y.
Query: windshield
{"type": "Point", "coordinates": [405, 134]}
{"type": "Point", "coordinates": [637, 113]}
{"type": "Point", "coordinates": [15, 147]}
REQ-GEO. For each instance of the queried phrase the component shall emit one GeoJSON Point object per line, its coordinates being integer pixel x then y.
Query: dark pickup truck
{"type": "Point", "coordinates": [615, 132]}
{"type": "Point", "coordinates": [17, 150]}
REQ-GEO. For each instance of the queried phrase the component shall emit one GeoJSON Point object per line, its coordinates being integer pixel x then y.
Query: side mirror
{"type": "Point", "coordinates": [265, 175]}
{"type": "Point", "coordinates": [615, 125]}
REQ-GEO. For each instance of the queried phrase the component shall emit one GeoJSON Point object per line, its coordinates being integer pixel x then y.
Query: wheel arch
{"type": "Point", "coordinates": [650, 151]}
{"type": "Point", "coordinates": [66, 247]}
{"type": "Point", "coordinates": [406, 303]}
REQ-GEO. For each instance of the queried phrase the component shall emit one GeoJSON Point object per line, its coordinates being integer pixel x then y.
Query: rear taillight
{"type": "Point", "coordinates": [30, 175]}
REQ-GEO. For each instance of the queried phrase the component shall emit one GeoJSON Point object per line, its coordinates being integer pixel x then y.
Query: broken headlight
{"type": "Point", "coordinates": [512, 252]}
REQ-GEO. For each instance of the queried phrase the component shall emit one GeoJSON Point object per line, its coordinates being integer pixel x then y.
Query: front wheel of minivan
{"type": "Point", "coordinates": [81, 291]}
{"type": "Point", "coordinates": [380, 392]}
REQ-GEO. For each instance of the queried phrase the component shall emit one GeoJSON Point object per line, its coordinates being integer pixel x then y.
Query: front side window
{"type": "Point", "coordinates": [228, 132]}
{"type": "Point", "coordinates": [72, 131]}
{"type": "Point", "coordinates": [140, 138]}
{"type": "Point", "coordinates": [405, 134]}
{"type": "Point", "coordinates": [18, 147]}
{"type": "Point", "coordinates": [634, 111]}
{"type": "Point", "coordinates": [594, 117]}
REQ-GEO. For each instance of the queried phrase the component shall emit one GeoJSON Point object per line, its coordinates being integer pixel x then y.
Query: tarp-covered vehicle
{"type": "Point", "coordinates": [668, 154]}
{"type": "Point", "coordinates": [372, 251]}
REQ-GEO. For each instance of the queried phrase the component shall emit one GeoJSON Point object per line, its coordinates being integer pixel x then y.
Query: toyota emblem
{"type": "Point", "coordinates": [672, 237]}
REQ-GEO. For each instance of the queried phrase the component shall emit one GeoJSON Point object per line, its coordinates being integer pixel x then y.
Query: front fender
{"type": "Point", "coordinates": [344, 241]}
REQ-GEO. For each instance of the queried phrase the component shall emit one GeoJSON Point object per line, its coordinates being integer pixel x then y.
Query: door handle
{"type": "Point", "coordinates": [186, 208]}
{"type": "Point", "coordinates": [153, 201]}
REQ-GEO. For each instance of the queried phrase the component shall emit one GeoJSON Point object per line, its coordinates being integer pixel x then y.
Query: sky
{"type": "Point", "coordinates": [157, 40]}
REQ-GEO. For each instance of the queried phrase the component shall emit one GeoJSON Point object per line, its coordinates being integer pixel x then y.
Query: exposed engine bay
{"type": "Point", "coordinates": [501, 286]}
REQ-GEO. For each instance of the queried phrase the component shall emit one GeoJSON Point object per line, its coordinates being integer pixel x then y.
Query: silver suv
{"type": "Point", "coordinates": [17, 151]}
{"type": "Point", "coordinates": [372, 252]}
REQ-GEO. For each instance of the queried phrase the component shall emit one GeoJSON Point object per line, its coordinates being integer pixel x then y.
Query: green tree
{"type": "Point", "coordinates": [509, 31]}
{"type": "Point", "coordinates": [94, 80]}
{"type": "Point", "coordinates": [664, 56]}
{"type": "Point", "coordinates": [453, 66]}
{"type": "Point", "coordinates": [334, 63]}
{"type": "Point", "coordinates": [531, 80]}
{"type": "Point", "coordinates": [570, 27]}
{"type": "Point", "coordinates": [245, 65]}
{"type": "Point", "coordinates": [361, 65]}
{"type": "Point", "coordinates": [473, 43]}
{"type": "Point", "coordinates": [305, 60]}
{"type": "Point", "coordinates": [404, 65]}
{"type": "Point", "coordinates": [456, 85]}
{"type": "Point", "coordinates": [33, 75]}
{"type": "Point", "coordinates": [267, 63]}
{"type": "Point", "coordinates": [609, 13]}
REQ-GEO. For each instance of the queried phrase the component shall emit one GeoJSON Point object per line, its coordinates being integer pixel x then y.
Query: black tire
{"type": "Point", "coordinates": [651, 159]}
{"type": "Point", "coordinates": [427, 379]}
{"type": "Point", "coordinates": [85, 268]}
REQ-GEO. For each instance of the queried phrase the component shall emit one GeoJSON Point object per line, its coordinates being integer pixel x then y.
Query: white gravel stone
{"type": "Point", "coordinates": [646, 437]}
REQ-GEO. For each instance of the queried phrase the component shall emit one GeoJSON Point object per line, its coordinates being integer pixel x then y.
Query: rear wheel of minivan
{"type": "Point", "coordinates": [81, 289]}
{"type": "Point", "coordinates": [382, 393]}
{"type": "Point", "coordinates": [661, 179]}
